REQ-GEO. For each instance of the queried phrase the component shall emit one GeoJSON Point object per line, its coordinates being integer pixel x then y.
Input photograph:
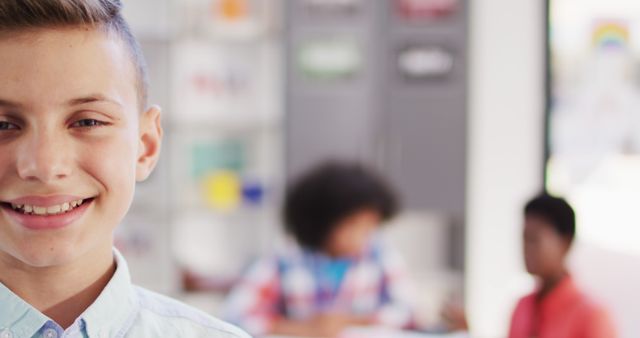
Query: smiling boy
{"type": "Point", "coordinates": [76, 134]}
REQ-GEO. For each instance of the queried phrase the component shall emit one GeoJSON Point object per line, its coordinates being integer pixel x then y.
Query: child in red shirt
{"type": "Point", "coordinates": [557, 309]}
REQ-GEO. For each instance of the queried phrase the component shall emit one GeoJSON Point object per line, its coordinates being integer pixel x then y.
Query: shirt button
{"type": "Point", "coordinates": [6, 333]}
{"type": "Point", "coordinates": [50, 333]}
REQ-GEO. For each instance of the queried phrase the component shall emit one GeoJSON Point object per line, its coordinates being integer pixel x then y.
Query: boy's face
{"type": "Point", "coordinates": [351, 236]}
{"type": "Point", "coordinates": [544, 249]}
{"type": "Point", "coordinates": [70, 130]}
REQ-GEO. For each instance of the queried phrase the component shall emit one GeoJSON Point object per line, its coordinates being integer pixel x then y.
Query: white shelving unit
{"type": "Point", "coordinates": [218, 81]}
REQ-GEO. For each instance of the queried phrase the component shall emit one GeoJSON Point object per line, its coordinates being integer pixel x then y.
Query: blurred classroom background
{"type": "Point", "coordinates": [468, 107]}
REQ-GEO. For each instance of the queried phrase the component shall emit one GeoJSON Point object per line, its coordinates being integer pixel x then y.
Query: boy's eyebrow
{"type": "Point", "coordinates": [9, 104]}
{"type": "Point", "coordinates": [72, 102]}
{"type": "Point", "coordinates": [93, 98]}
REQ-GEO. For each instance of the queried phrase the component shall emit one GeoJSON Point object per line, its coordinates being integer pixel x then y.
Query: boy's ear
{"type": "Point", "coordinates": [150, 140]}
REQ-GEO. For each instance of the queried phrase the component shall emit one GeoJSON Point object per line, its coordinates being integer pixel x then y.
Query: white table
{"type": "Point", "coordinates": [377, 332]}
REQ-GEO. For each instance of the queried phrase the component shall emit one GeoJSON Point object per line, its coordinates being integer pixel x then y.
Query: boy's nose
{"type": "Point", "coordinates": [43, 157]}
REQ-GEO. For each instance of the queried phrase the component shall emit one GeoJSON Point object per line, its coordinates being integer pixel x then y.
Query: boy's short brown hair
{"type": "Point", "coordinates": [21, 15]}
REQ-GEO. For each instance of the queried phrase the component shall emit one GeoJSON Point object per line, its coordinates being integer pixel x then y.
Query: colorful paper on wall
{"type": "Point", "coordinates": [222, 190]}
{"type": "Point", "coordinates": [330, 58]}
{"type": "Point", "coordinates": [213, 82]}
{"type": "Point", "coordinates": [252, 192]}
{"type": "Point", "coordinates": [425, 62]}
{"type": "Point", "coordinates": [224, 155]}
{"type": "Point", "coordinates": [333, 7]}
{"type": "Point", "coordinates": [231, 10]}
{"type": "Point", "coordinates": [238, 19]}
{"type": "Point", "coordinates": [426, 9]}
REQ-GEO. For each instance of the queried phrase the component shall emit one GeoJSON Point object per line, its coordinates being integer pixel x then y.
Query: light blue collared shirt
{"type": "Point", "coordinates": [121, 310]}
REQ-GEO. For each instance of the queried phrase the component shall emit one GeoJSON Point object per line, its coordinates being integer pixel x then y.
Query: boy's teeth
{"type": "Point", "coordinates": [52, 210]}
{"type": "Point", "coordinates": [39, 210]}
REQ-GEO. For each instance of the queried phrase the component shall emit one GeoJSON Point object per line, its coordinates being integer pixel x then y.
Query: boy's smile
{"type": "Point", "coordinates": [39, 213]}
{"type": "Point", "coordinates": [73, 142]}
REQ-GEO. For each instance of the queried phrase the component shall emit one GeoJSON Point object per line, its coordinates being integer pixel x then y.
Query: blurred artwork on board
{"type": "Point", "coordinates": [213, 82]}
{"type": "Point", "coordinates": [417, 10]}
{"type": "Point", "coordinates": [330, 59]}
{"type": "Point", "coordinates": [332, 8]}
{"type": "Point", "coordinates": [596, 107]}
{"type": "Point", "coordinates": [594, 116]}
{"type": "Point", "coordinates": [425, 62]}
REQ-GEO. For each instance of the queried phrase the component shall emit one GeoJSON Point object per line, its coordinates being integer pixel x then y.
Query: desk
{"type": "Point", "coordinates": [377, 332]}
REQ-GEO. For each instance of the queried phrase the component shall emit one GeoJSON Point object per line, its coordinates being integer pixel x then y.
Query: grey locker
{"type": "Point", "coordinates": [413, 129]}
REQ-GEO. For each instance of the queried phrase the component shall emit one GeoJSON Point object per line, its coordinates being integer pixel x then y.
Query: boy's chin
{"type": "Point", "coordinates": [45, 258]}
{"type": "Point", "coordinates": [51, 256]}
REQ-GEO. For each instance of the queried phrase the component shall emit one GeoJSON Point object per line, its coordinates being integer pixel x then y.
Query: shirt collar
{"type": "Point", "coordinates": [17, 315]}
{"type": "Point", "coordinates": [109, 316]}
{"type": "Point", "coordinates": [115, 309]}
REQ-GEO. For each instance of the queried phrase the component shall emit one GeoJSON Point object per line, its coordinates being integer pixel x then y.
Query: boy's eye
{"type": "Point", "coordinates": [4, 125]}
{"type": "Point", "coordinates": [87, 123]}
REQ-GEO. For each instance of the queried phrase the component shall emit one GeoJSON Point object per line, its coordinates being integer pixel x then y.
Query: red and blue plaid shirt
{"type": "Point", "coordinates": [299, 284]}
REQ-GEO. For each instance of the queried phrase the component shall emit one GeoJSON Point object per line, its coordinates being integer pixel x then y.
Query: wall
{"type": "Point", "coordinates": [505, 145]}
